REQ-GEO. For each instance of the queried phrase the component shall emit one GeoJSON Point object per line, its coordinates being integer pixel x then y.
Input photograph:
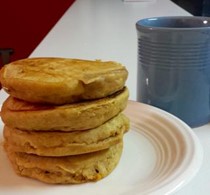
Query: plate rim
{"type": "Point", "coordinates": [197, 154]}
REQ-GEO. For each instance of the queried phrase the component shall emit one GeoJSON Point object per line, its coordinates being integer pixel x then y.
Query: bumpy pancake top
{"type": "Point", "coordinates": [61, 80]}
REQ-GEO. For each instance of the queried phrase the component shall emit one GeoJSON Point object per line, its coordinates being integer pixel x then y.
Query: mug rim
{"type": "Point", "coordinates": [140, 23]}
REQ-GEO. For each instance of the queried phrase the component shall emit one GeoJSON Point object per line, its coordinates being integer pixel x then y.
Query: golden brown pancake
{"type": "Point", "coordinates": [59, 143]}
{"type": "Point", "coordinates": [62, 80]}
{"type": "Point", "coordinates": [70, 169]}
{"type": "Point", "coordinates": [71, 117]}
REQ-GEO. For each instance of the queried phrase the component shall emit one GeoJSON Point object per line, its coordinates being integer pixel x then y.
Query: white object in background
{"type": "Point", "coordinates": [139, 0]}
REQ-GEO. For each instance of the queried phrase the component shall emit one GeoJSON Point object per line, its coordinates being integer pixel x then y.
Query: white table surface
{"type": "Point", "coordinates": [105, 29]}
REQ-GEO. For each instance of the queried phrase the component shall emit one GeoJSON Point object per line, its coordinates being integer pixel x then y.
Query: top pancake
{"type": "Point", "coordinates": [61, 80]}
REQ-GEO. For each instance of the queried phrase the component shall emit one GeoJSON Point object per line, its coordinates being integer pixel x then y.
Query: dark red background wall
{"type": "Point", "coordinates": [24, 23]}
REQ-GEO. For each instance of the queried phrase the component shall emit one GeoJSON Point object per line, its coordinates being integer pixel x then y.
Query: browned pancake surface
{"type": "Point", "coordinates": [62, 80]}
{"type": "Point", "coordinates": [70, 169]}
{"type": "Point", "coordinates": [57, 143]}
{"type": "Point", "coordinates": [71, 117]}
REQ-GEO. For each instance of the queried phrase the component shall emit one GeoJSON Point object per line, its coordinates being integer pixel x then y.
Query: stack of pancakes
{"type": "Point", "coordinates": [63, 118]}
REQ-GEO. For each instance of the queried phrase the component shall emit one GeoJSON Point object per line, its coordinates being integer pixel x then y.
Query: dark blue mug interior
{"type": "Point", "coordinates": [175, 22]}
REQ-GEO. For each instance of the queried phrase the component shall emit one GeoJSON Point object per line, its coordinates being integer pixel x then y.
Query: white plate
{"type": "Point", "coordinates": [161, 154]}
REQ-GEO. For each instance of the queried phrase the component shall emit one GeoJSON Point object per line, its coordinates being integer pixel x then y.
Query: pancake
{"type": "Point", "coordinates": [67, 143]}
{"type": "Point", "coordinates": [62, 80]}
{"type": "Point", "coordinates": [70, 169]}
{"type": "Point", "coordinates": [78, 116]}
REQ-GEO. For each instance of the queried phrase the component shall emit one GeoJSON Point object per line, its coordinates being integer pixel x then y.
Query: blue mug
{"type": "Point", "coordinates": [174, 66]}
